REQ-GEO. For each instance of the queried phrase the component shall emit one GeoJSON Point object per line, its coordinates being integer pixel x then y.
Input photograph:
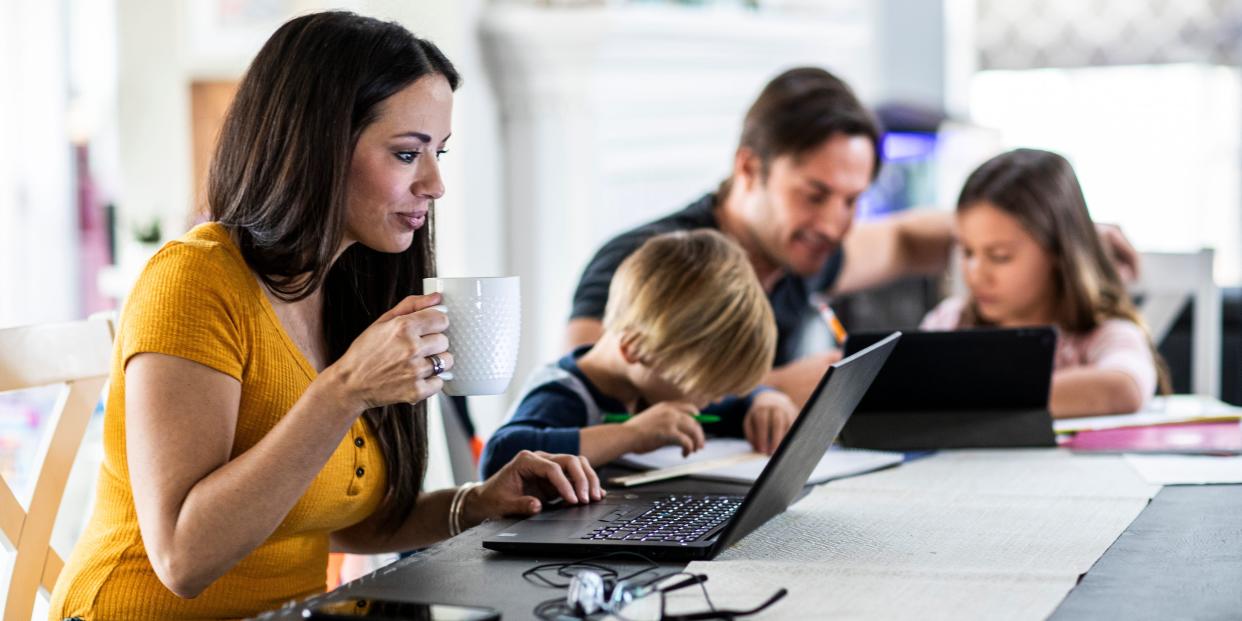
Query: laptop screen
{"type": "Point", "coordinates": [825, 413]}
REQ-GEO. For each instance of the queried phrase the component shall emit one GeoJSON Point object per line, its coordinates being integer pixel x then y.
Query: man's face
{"type": "Point", "coordinates": [800, 214]}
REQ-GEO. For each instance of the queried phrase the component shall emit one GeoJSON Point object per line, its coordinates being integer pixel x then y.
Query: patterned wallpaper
{"type": "Point", "coordinates": [1077, 33]}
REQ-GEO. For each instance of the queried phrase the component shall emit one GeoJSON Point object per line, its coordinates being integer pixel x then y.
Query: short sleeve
{"type": "Point", "coordinates": [946, 316]}
{"type": "Point", "coordinates": [1122, 345]}
{"type": "Point", "coordinates": [186, 304]}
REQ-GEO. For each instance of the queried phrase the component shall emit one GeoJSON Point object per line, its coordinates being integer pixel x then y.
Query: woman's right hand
{"type": "Point", "coordinates": [388, 363]}
{"type": "Point", "coordinates": [665, 423]}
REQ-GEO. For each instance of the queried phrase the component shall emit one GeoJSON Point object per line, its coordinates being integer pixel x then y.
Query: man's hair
{"type": "Point", "coordinates": [693, 310]}
{"type": "Point", "coordinates": [798, 111]}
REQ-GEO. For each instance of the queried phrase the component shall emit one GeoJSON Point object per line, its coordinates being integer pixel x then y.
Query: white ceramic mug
{"type": "Point", "coordinates": [485, 326]}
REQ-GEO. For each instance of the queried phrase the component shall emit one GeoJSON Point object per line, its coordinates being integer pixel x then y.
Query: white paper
{"type": "Point", "coordinates": [1187, 469]}
{"type": "Point", "coordinates": [837, 462]}
{"type": "Point", "coordinates": [1161, 410]}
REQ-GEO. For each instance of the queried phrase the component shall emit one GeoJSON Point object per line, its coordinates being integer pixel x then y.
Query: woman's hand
{"type": "Point", "coordinates": [664, 424]}
{"type": "Point", "coordinates": [388, 363]}
{"type": "Point", "coordinates": [770, 416]}
{"type": "Point", "coordinates": [522, 486]}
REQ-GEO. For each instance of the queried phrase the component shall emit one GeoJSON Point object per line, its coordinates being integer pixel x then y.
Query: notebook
{"type": "Point", "coordinates": [1205, 438]}
{"type": "Point", "coordinates": [837, 463]}
{"type": "Point", "coordinates": [1162, 410]}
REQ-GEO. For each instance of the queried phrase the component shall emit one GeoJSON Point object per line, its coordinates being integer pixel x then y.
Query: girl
{"type": "Point", "coordinates": [1030, 256]}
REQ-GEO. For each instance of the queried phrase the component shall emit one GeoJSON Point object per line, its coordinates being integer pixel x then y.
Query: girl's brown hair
{"type": "Point", "coordinates": [278, 184]}
{"type": "Point", "coordinates": [1040, 190]}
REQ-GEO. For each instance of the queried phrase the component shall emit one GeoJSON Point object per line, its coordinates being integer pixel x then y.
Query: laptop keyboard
{"type": "Point", "coordinates": [674, 519]}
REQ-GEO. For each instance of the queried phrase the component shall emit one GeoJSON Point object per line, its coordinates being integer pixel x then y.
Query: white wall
{"type": "Point", "coordinates": [910, 48]}
{"type": "Point", "coordinates": [38, 222]}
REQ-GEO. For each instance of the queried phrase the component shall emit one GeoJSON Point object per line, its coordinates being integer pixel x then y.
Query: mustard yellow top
{"type": "Point", "coordinates": [197, 299]}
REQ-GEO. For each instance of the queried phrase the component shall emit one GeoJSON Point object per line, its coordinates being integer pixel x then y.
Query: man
{"type": "Point", "coordinates": [808, 151]}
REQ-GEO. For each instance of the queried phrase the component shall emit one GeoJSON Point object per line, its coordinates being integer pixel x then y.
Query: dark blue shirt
{"type": "Point", "coordinates": [549, 416]}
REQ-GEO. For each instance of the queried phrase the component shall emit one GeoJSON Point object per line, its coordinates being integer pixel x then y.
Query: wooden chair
{"type": "Point", "coordinates": [77, 354]}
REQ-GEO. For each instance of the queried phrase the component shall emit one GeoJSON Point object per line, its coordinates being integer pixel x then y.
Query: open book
{"type": "Point", "coordinates": [732, 459]}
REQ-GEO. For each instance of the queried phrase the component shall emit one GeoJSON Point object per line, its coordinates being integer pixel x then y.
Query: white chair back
{"type": "Point", "coordinates": [76, 354]}
{"type": "Point", "coordinates": [1166, 283]}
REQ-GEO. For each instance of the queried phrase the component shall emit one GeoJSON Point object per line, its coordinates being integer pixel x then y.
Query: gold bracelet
{"type": "Point", "coordinates": [456, 508]}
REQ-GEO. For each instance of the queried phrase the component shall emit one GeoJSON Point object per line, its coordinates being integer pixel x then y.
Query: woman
{"type": "Point", "coordinates": [1031, 256]}
{"type": "Point", "coordinates": [268, 391]}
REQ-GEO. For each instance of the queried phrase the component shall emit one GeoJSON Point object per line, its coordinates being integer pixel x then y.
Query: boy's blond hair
{"type": "Point", "coordinates": [693, 310]}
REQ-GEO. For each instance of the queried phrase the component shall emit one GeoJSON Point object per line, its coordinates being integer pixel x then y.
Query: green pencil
{"type": "Point", "coordinates": [617, 417]}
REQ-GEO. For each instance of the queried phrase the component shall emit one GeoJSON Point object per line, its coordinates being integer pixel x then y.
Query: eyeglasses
{"type": "Point", "coordinates": [626, 601]}
{"type": "Point", "coordinates": [594, 588]}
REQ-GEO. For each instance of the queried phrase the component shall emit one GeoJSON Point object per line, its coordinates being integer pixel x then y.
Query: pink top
{"type": "Point", "coordinates": [1116, 344]}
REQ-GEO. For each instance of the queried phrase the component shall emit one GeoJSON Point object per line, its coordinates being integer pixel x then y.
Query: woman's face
{"type": "Point", "coordinates": [1009, 274]}
{"type": "Point", "coordinates": [395, 173]}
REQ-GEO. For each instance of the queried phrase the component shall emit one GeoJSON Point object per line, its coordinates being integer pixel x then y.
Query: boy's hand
{"type": "Point", "coordinates": [670, 422]}
{"type": "Point", "coordinates": [769, 419]}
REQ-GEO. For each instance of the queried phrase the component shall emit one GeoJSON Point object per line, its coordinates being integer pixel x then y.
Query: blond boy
{"type": "Point", "coordinates": [687, 330]}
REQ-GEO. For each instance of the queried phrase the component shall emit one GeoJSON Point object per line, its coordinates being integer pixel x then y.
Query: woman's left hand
{"type": "Point", "coordinates": [532, 477]}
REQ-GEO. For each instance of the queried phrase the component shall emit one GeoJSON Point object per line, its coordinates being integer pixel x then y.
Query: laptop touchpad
{"type": "Point", "coordinates": [577, 513]}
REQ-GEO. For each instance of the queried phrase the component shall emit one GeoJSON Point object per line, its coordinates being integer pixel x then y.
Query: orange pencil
{"type": "Point", "coordinates": [830, 318]}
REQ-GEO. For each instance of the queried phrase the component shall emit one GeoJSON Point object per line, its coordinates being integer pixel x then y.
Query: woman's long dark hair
{"type": "Point", "coordinates": [278, 183]}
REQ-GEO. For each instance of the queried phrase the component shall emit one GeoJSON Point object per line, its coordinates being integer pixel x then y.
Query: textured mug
{"type": "Point", "coordinates": [485, 326]}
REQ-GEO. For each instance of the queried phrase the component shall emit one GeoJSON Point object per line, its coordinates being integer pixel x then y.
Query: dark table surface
{"type": "Point", "coordinates": [1180, 559]}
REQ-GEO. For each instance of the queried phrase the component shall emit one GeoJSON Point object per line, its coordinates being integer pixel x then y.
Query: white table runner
{"type": "Point", "coordinates": [958, 535]}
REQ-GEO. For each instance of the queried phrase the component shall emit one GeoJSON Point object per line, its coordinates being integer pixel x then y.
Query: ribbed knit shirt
{"type": "Point", "coordinates": [197, 299]}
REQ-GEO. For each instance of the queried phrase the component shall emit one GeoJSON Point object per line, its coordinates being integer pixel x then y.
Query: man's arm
{"type": "Point", "coordinates": [880, 251]}
{"type": "Point", "coordinates": [798, 378]}
{"type": "Point", "coordinates": [919, 242]}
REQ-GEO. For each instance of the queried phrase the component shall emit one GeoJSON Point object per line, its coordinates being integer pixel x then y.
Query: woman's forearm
{"type": "Point", "coordinates": [427, 524]}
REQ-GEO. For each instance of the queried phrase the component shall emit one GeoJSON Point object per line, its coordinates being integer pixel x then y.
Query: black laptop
{"type": "Point", "coordinates": [699, 526]}
{"type": "Point", "coordinates": [986, 387]}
